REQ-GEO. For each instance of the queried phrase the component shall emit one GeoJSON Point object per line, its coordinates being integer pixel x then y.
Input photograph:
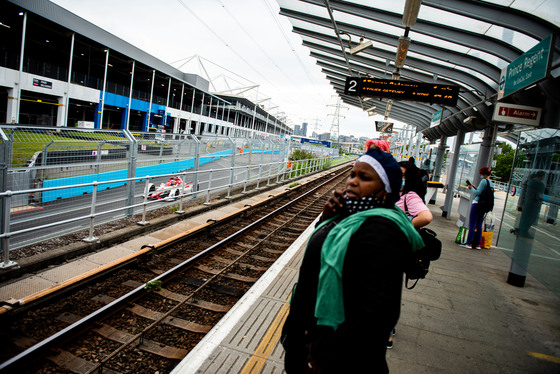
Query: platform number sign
{"type": "Point", "coordinates": [352, 86]}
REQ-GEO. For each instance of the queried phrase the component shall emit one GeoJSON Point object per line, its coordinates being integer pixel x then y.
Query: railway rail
{"type": "Point", "coordinates": [148, 314]}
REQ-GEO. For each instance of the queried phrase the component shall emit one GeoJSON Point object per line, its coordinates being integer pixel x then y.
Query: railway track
{"type": "Point", "coordinates": [147, 315]}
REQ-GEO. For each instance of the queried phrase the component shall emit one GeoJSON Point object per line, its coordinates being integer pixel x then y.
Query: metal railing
{"type": "Point", "coordinates": [500, 186]}
{"type": "Point", "coordinates": [112, 178]}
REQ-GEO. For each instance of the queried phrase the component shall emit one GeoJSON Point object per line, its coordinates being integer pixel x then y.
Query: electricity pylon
{"type": "Point", "coordinates": [335, 126]}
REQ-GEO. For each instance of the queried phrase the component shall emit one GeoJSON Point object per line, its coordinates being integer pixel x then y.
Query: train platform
{"type": "Point", "coordinates": [463, 318]}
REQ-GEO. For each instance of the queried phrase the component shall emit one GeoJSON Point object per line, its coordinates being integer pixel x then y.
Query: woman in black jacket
{"type": "Point", "coordinates": [348, 294]}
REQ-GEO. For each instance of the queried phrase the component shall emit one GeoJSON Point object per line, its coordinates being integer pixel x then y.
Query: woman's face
{"type": "Point", "coordinates": [364, 181]}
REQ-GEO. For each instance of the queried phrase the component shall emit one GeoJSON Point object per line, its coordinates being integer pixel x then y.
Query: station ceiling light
{"type": "Point", "coordinates": [402, 50]}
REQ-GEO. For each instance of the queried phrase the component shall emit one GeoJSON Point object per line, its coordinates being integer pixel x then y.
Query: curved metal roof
{"type": "Point", "coordinates": [465, 43]}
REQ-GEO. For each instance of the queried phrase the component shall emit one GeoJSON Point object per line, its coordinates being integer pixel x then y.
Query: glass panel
{"type": "Point", "coordinates": [516, 39]}
{"type": "Point", "coordinates": [442, 17]}
{"type": "Point", "coordinates": [367, 24]}
{"type": "Point", "coordinates": [300, 6]}
{"type": "Point", "coordinates": [484, 78]}
{"type": "Point", "coordinates": [468, 157]}
{"type": "Point", "coordinates": [547, 9]}
{"type": "Point", "coordinates": [311, 27]}
{"type": "Point", "coordinates": [395, 6]}
{"type": "Point", "coordinates": [529, 232]}
{"type": "Point", "coordinates": [458, 48]}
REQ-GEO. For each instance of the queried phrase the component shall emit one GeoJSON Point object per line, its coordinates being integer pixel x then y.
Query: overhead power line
{"type": "Point", "coordinates": [223, 41]}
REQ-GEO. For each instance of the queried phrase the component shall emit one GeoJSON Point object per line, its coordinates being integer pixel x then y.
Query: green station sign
{"type": "Point", "coordinates": [527, 69]}
{"type": "Point", "coordinates": [436, 118]}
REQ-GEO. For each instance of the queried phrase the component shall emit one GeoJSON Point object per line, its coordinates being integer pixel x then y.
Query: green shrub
{"type": "Point", "coordinates": [153, 286]}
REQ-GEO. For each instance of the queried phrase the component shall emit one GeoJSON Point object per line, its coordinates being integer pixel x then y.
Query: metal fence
{"type": "Point", "coordinates": [89, 176]}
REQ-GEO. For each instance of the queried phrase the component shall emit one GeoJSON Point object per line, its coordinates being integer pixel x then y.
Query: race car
{"type": "Point", "coordinates": [169, 190]}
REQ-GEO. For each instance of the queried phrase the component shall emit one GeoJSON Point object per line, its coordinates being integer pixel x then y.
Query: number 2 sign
{"type": "Point", "coordinates": [352, 86]}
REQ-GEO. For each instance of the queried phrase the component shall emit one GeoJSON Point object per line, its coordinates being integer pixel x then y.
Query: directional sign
{"type": "Point", "coordinates": [403, 90]}
{"type": "Point", "coordinates": [520, 114]}
{"type": "Point", "coordinates": [529, 68]}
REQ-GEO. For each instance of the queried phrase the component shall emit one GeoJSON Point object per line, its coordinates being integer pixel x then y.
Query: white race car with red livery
{"type": "Point", "coordinates": [169, 190]}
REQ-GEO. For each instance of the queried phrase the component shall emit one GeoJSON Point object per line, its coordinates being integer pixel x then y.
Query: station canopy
{"type": "Point", "coordinates": [442, 42]}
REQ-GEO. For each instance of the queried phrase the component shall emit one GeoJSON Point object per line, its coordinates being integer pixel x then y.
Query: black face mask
{"type": "Point", "coordinates": [355, 205]}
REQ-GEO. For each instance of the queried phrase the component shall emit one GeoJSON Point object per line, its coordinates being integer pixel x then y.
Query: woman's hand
{"type": "Point", "coordinates": [334, 205]}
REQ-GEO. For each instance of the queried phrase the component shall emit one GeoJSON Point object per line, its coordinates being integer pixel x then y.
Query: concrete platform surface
{"type": "Point", "coordinates": [463, 318]}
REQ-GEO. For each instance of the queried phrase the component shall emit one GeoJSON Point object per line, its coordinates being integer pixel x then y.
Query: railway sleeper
{"type": "Point", "coordinates": [171, 296]}
{"type": "Point", "coordinates": [264, 259]}
{"type": "Point", "coordinates": [241, 265]}
{"type": "Point", "coordinates": [244, 245]}
{"type": "Point", "coordinates": [76, 364]}
{"type": "Point", "coordinates": [238, 277]}
{"type": "Point", "coordinates": [234, 252]}
{"type": "Point", "coordinates": [69, 361]}
{"type": "Point", "coordinates": [273, 251]}
{"type": "Point", "coordinates": [253, 267]}
{"type": "Point", "coordinates": [225, 290]}
{"type": "Point", "coordinates": [291, 231]}
{"type": "Point", "coordinates": [145, 313]}
{"type": "Point", "coordinates": [169, 320]}
{"type": "Point", "coordinates": [274, 243]}
{"type": "Point", "coordinates": [299, 225]}
{"type": "Point", "coordinates": [149, 346]}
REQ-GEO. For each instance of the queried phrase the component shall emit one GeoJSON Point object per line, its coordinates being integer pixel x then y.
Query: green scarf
{"type": "Point", "coordinates": [329, 307]}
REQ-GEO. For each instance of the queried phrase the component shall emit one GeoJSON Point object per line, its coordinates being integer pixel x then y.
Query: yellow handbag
{"type": "Point", "coordinates": [486, 239]}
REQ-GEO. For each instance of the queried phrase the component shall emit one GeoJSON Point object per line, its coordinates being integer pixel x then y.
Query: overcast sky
{"type": "Point", "coordinates": [246, 41]}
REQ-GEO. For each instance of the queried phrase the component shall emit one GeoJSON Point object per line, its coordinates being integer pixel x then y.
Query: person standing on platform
{"type": "Point", "coordinates": [425, 177]}
{"type": "Point", "coordinates": [533, 200]}
{"type": "Point", "coordinates": [412, 205]}
{"type": "Point", "coordinates": [348, 296]}
{"type": "Point", "coordinates": [413, 188]}
{"type": "Point", "coordinates": [476, 215]}
{"type": "Point", "coordinates": [525, 234]}
{"type": "Point", "coordinates": [376, 143]}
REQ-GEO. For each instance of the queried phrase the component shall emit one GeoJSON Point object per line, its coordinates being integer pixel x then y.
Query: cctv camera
{"type": "Point", "coordinates": [360, 47]}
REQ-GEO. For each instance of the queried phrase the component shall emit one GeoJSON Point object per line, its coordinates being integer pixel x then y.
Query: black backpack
{"type": "Point", "coordinates": [417, 264]}
{"type": "Point", "coordinates": [486, 198]}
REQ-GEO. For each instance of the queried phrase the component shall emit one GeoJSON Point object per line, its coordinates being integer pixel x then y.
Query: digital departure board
{"type": "Point", "coordinates": [432, 93]}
